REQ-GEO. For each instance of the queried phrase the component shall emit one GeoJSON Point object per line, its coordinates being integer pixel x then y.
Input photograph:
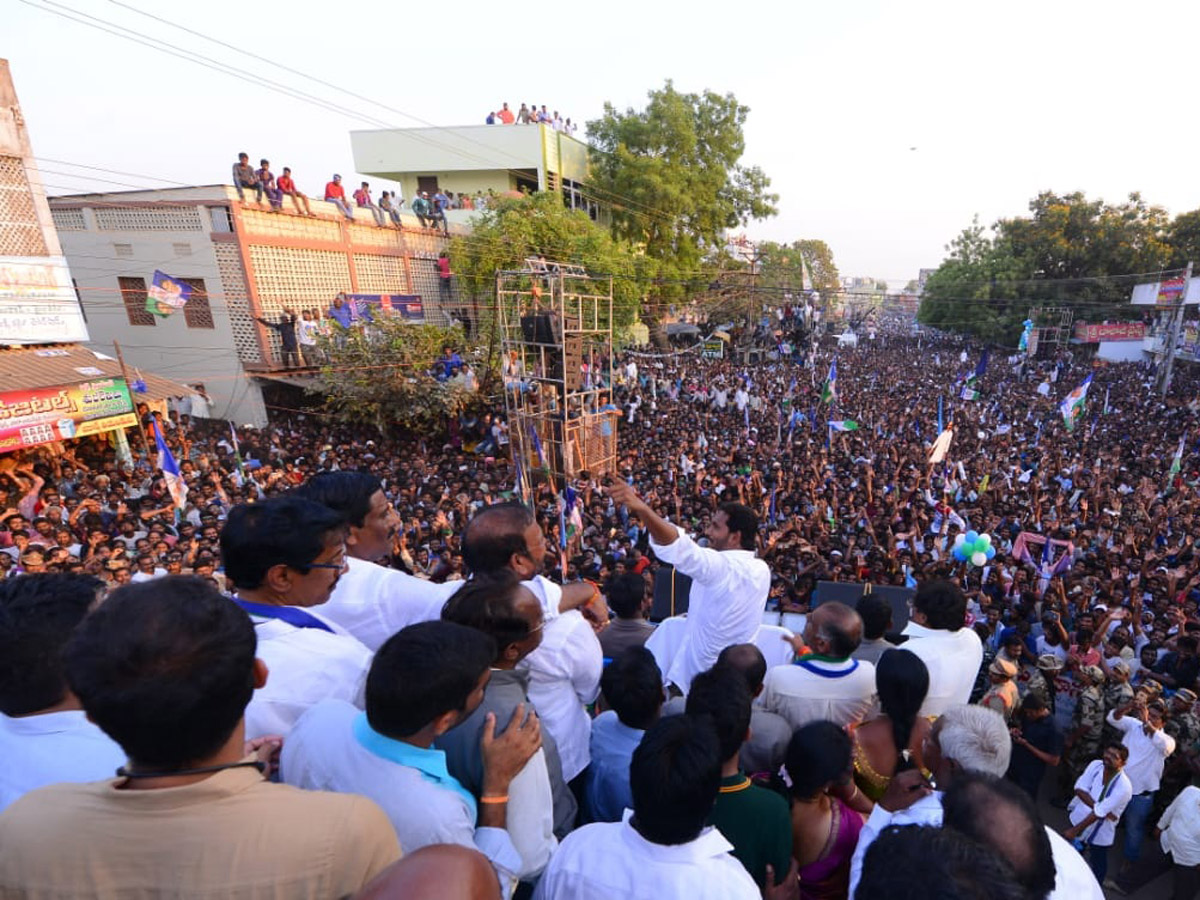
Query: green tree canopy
{"type": "Point", "coordinates": [673, 177]}
{"type": "Point", "coordinates": [780, 265]}
{"type": "Point", "coordinates": [505, 235]}
{"type": "Point", "coordinates": [385, 376]}
{"type": "Point", "coordinates": [1065, 253]}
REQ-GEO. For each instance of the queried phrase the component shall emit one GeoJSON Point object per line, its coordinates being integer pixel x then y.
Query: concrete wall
{"type": "Point", "coordinates": [169, 347]}
{"type": "Point", "coordinates": [463, 149]}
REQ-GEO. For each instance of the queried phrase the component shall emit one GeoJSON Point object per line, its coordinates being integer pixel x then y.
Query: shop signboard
{"type": "Point", "coordinates": [39, 415]}
{"type": "Point", "coordinates": [38, 304]}
{"type": "Point", "coordinates": [1092, 333]}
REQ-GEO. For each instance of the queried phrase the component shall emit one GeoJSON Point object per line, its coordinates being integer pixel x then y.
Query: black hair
{"type": "Point", "coordinates": [973, 806]}
{"type": "Point", "coordinates": [493, 535]}
{"type": "Point", "coordinates": [633, 687]}
{"type": "Point", "coordinates": [913, 862]}
{"type": "Point", "coordinates": [902, 680]}
{"type": "Point", "coordinates": [743, 520]}
{"type": "Point", "coordinates": [673, 777]}
{"type": "Point", "coordinates": [1188, 642]}
{"type": "Point", "coordinates": [748, 660]}
{"type": "Point", "coordinates": [722, 695]}
{"type": "Point", "coordinates": [346, 493]}
{"type": "Point", "coordinates": [488, 603]}
{"type": "Point", "coordinates": [943, 603]}
{"type": "Point", "coordinates": [1120, 748]}
{"type": "Point", "coordinates": [165, 668]}
{"type": "Point", "coordinates": [38, 614]}
{"type": "Point", "coordinates": [626, 594]}
{"type": "Point", "coordinates": [287, 530]}
{"type": "Point", "coordinates": [876, 614]}
{"type": "Point", "coordinates": [422, 672]}
{"type": "Point", "coordinates": [819, 753]}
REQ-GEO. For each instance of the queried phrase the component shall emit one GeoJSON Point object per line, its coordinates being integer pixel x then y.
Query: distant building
{"type": "Point", "coordinates": [497, 160]}
{"type": "Point", "coordinates": [243, 262]}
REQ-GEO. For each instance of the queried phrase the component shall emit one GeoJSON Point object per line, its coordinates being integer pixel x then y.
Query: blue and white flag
{"type": "Point", "coordinates": [170, 469]}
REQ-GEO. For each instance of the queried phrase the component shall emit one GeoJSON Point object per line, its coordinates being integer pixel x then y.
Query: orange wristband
{"type": "Point", "coordinates": [503, 799]}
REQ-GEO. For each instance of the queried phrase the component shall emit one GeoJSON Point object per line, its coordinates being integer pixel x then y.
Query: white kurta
{"type": "Point", "coordinates": [728, 596]}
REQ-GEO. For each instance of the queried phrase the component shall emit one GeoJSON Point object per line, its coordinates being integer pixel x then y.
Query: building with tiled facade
{"type": "Point", "coordinates": [243, 263]}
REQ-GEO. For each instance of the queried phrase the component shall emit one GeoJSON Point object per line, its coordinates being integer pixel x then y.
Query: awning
{"type": "Point", "coordinates": [27, 368]}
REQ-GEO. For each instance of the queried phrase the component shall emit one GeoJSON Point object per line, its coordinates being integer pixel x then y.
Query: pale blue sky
{"type": "Point", "coordinates": [1000, 100]}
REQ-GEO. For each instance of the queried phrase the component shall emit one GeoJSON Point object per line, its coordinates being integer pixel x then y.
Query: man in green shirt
{"type": "Point", "coordinates": [752, 818]}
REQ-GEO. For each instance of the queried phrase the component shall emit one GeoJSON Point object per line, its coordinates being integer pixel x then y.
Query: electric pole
{"type": "Point", "coordinates": [1173, 334]}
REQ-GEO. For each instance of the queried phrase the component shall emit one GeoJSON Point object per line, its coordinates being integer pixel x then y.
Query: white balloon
{"type": "Point", "coordinates": [978, 559]}
{"type": "Point", "coordinates": [960, 540]}
{"type": "Point", "coordinates": [986, 538]}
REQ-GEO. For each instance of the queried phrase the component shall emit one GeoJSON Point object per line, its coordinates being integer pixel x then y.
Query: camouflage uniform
{"type": "Point", "coordinates": [1089, 715]}
{"type": "Point", "coordinates": [1040, 686]}
{"type": "Point", "coordinates": [1185, 728]}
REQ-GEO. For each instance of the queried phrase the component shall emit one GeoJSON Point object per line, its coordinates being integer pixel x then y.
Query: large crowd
{"type": "Point", "coordinates": [438, 664]}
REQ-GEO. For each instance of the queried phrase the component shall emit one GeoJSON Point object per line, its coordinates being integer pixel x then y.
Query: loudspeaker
{"type": "Point", "coordinates": [541, 328]}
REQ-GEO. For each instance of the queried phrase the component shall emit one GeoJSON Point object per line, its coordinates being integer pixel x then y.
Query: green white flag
{"type": "Point", "coordinates": [843, 425]}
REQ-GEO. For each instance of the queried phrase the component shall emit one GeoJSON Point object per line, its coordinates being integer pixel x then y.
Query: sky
{"type": "Point", "coordinates": [884, 127]}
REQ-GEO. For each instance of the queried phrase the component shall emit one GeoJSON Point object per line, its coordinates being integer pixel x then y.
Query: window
{"type": "Point", "coordinates": [196, 312]}
{"type": "Point", "coordinates": [222, 221]}
{"type": "Point", "coordinates": [133, 292]}
{"type": "Point", "coordinates": [428, 184]}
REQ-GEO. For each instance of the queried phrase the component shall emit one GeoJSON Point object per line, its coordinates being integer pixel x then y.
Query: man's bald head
{"type": "Point", "coordinates": [834, 629]}
{"type": "Point", "coordinates": [436, 872]}
{"type": "Point", "coordinates": [749, 661]}
{"type": "Point", "coordinates": [495, 535]}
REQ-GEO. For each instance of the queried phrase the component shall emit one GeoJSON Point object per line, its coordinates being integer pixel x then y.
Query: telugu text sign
{"type": "Point", "coordinates": [39, 415]}
{"type": "Point", "coordinates": [37, 301]}
{"type": "Point", "coordinates": [1091, 333]}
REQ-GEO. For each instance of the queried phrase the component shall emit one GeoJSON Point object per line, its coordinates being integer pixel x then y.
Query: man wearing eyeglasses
{"type": "Point", "coordinates": [285, 556]}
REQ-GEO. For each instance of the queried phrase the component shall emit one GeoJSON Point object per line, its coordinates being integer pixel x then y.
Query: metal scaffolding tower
{"type": "Point", "coordinates": [556, 333]}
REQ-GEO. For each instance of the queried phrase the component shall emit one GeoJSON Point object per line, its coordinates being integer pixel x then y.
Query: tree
{"type": "Point", "coordinates": [672, 176]}
{"type": "Point", "coordinates": [780, 265]}
{"type": "Point", "coordinates": [505, 235]}
{"type": "Point", "coordinates": [1066, 253]}
{"type": "Point", "coordinates": [384, 375]}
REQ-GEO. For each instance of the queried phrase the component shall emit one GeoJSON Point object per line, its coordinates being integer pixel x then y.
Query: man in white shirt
{"type": "Point", "coordinates": [285, 556]}
{"type": "Point", "coordinates": [964, 739]}
{"type": "Point", "coordinates": [1101, 794]}
{"type": "Point", "coordinates": [952, 653]}
{"type": "Point", "coordinates": [371, 601]}
{"type": "Point", "coordinates": [45, 737]}
{"type": "Point", "coordinates": [1141, 727]}
{"type": "Point", "coordinates": [825, 682]}
{"type": "Point", "coordinates": [423, 682]}
{"type": "Point", "coordinates": [729, 583]}
{"type": "Point", "coordinates": [1179, 831]}
{"type": "Point", "coordinates": [663, 849]}
{"type": "Point", "coordinates": [564, 669]}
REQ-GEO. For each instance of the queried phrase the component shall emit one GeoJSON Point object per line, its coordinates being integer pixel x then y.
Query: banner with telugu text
{"type": "Point", "coordinates": [41, 415]}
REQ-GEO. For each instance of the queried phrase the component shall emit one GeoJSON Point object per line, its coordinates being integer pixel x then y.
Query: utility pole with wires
{"type": "Point", "coordinates": [1164, 384]}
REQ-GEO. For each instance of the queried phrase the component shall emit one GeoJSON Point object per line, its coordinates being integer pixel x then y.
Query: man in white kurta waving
{"type": "Point", "coordinates": [729, 583]}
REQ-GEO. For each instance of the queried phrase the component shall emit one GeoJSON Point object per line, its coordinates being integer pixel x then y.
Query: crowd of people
{"type": "Point", "coordinates": [438, 663]}
{"type": "Point", "coordinates": [531, 114]}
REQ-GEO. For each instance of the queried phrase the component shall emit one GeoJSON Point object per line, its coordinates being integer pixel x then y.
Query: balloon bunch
{"type": "Point", "coordinates": [974, 548]}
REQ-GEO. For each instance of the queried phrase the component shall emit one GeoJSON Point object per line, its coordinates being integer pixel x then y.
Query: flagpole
{"type": "Point", "coordinates": [125, 375]}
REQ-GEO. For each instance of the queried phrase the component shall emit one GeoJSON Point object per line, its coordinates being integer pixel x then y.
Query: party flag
{"type": "Point", "coordinates": [843, 425]}
{"type": "Point", "coordinates": [1072, 405]}
{"type": "Point", "coordinates": [170, 469]}
{"type": "Point", "coordinates": [829, 389]}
